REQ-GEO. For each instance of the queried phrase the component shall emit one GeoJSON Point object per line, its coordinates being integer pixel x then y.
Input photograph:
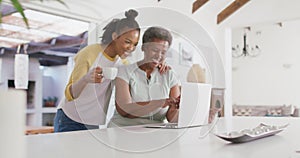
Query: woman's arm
{"type": "Point", "coordinates": [81, 73]}
{"type": "Point", "coordinates": [93, 76]}
{"type": "Point", "coordinates": [128, 108]}
{"type": "Point", "coordinates": [172, 113]}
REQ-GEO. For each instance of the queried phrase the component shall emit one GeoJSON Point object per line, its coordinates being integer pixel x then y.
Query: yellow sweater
{"type": "Point", "coordinates": [83, 62]}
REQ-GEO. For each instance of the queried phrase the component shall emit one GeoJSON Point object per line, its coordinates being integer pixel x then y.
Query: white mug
{"type": "Point", "coordinates": [109, 72]}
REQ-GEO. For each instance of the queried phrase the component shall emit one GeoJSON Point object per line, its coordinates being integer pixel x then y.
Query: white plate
{"type": "Point", "coordinates": [246, 135]}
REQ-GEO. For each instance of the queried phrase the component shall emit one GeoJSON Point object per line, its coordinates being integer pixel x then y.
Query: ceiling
{"type": "Point", "coordinates": [50, 38]}
{"type": "Point", "coordinates": [256, 12]}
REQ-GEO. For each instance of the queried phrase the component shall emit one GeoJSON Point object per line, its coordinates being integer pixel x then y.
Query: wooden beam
{"type": "Point", "coordinates": [49, 60]}
{"type": "Point", "coordinates": [233, 7]}
{"type": "Point", "coordinates": [197, 4]}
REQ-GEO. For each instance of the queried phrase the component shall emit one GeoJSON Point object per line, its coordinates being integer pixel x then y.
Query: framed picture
{"type": "Point", "coordinates": [186, 54]}
{"type": "Point", "coordinates": [216, 103]}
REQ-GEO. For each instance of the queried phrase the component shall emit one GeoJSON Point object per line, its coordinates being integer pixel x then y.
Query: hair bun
{"type": "Point", "coordinates": [131, 14]}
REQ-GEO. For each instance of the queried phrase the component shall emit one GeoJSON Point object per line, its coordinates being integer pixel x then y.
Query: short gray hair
{"type": "Point", "coordinates": [157, 33]}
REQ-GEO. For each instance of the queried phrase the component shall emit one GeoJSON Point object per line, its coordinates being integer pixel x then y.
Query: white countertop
{"type": "Point", "coordinates": [139, 142]}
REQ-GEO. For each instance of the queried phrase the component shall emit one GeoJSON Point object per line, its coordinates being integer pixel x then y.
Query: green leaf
{"type": "Point", "coordinates": [0, 12]}
{"type": "Point", "coordinates": [17, 5]}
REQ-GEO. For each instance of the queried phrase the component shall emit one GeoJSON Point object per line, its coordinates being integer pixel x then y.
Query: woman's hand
{"type": "Point", "coordinates": [172, 103]}
{"type": "Point", "coordinates": [172, 113]}
{"type": "Point", "coordinates": [94, 75]}
{"type": "Point", "coordinates": [163, 67]}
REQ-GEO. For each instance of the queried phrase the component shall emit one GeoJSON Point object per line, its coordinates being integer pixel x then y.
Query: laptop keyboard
{"type": "Point", "coordinates": [171, 125]}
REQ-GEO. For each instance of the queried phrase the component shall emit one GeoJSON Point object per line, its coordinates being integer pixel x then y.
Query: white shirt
{"type": "Point", "coordinates": [143, 89]}
{"type": "Point", "coordinates": [92, 104]}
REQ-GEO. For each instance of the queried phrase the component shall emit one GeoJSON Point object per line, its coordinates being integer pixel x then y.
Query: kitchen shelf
{"type": "Point", "coordinates": [45, 87]}
{"type": "Point", "coordinates": [49, 110]}
{"type": "Point", "coordinates": [30, 111]}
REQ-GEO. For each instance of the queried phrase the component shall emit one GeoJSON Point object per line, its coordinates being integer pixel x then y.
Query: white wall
{"type": "Point", "coordinates": [60, 76]}
{"type": "Point", "coordinates": [272, 78]}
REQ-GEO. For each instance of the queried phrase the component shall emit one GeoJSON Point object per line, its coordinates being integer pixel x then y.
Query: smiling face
{"type": "Point", "coordinates": [155, 52]}
{"type": "Point", "coordinates": [126, 42]}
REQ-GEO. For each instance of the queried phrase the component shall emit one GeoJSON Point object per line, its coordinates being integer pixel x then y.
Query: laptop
{"type": "Point", "coordinates": [193, 108]}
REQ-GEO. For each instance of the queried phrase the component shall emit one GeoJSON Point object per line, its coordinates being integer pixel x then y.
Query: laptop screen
{"type": "Point", "coordinates": [194, 104]}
